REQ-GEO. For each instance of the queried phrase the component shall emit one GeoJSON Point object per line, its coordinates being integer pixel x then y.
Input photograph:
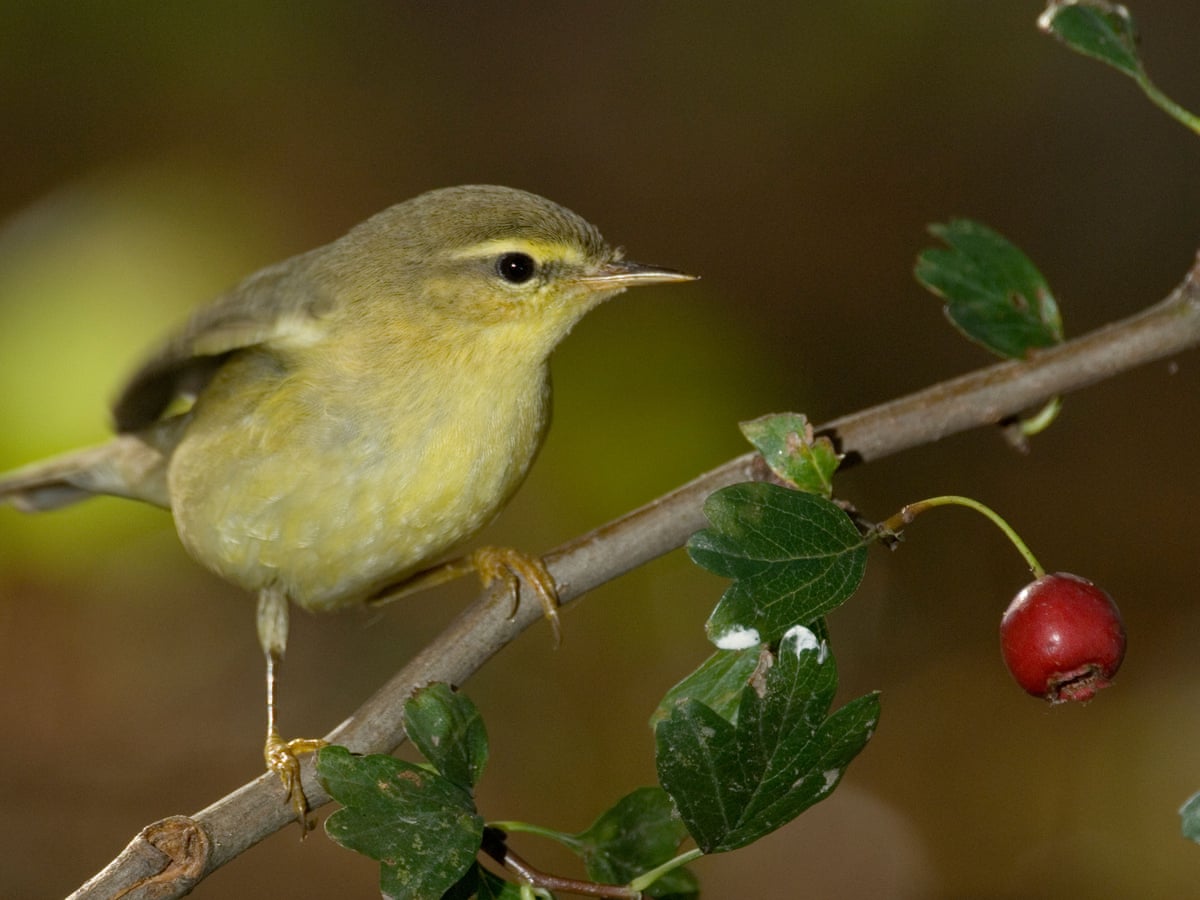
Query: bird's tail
{"type": "Point", "coordinates": [127, 466]}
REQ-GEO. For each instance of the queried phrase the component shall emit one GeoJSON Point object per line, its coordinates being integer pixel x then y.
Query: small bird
{"type": "Point", "coordinates": [327, 431]}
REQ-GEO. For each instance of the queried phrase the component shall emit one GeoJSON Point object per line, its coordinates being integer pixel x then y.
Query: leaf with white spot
{"type": "Point", "coordinates": [793, 557]}
{"type": "Point", "coordinates": [733, 784]}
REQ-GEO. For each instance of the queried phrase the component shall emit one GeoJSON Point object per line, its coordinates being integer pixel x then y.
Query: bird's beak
{"type": "Point", "coordinates": [623, 274]}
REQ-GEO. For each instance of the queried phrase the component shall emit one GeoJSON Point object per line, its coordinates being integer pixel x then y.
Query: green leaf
{"type": "Point", "coordinates": [493, 887]}
{"type": "Point", "coordinates": [482, 884]}
{"type": "Point", "coordinates": [792, 557]}
{"type": "Point", "coordinates": [1189, 813]}
{"type": "Point", "coordinates": [698, 766]}
{"type": "Point", "coordinates": [677, 884]}
{"type": "Point", "coordinates": [420, 826]}
{"type": "Point", "coordinates": [448, 729]}
{"type": "Point", "coordinates": [642, 831]}
{"type": "Point", "coordinates": [1103, 31]}
{"type": "Point", "coordinates": [788, 447]}
{"type": "Point", "coordinates": [733, 784]}
{"type": "Point", "coordinates": [994, 295]}
{"type": "Point", "coordinates": [717, 683]}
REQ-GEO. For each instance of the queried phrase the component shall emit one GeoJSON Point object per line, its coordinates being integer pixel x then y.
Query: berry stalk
{"type": "Point", "coordinates": [894, 524]}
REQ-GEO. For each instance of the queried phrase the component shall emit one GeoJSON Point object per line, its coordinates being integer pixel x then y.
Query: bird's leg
{"type": "Point", "coordinates": [280, 755]}
{"type": "Point", "coordinates": [493, 564]}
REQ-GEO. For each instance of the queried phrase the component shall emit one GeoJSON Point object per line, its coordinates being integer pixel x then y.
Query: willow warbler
{"type": "Point", "coordinates": [356, 411]}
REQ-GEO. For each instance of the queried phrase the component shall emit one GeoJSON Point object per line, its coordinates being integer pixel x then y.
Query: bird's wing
{"type": "Point", "coordinates": [254, 313]}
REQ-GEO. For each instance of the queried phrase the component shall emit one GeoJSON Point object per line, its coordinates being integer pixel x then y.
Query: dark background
{"type": "Point", "coordinates": [791, 154]}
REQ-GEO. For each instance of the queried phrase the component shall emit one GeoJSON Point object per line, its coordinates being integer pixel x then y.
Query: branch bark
{"type": "Point", "coordinates": [988, 396]}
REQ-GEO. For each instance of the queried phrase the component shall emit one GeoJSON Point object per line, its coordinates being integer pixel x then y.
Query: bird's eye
{"type": "Point", "coordinates": [516, 268]}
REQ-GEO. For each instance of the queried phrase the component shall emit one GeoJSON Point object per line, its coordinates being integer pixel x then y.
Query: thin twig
{"type": "Point", "coordinates": [496, 846]}
{"type": "Point", "coordinates": [984, 397]}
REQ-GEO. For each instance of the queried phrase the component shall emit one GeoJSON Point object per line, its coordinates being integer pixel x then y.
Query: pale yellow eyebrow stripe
{"type": "Point", "coordinates": [539, 250]}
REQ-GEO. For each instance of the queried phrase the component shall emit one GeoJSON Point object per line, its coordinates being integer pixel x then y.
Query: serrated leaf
{"type": "Point", "coordinates": [787, 445]}
{"type": "Point", "coordinates": [698, 766]}
{"type": "Point", "coordinates": [717, 683]}
{"type": "Point", "coordinates": [792, 556]}
{"type": "Point", "coordinates": [420, 826]}
{"type": "Point", "coordinates": [994, 295]}
{"type": "Point", "coordinates": [1103, 31]}
{"type": "Point", "coordinates": [1189, 815]}
{"type": "Point", "coordinates": [449, 731]}
{"type": "Point", "coordinates": [640, 832]}
{"type": "Point", "coordinates": [733, 784]}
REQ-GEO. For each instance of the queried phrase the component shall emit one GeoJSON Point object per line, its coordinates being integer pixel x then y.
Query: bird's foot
{"type": "Point", "coordinates": [511, 566]}
{"type": "Point", "coordinates": [282, 758]}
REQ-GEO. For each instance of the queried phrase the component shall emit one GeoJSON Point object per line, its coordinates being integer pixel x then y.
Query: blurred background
{"type": "Point", "coordinates": [790, 153]}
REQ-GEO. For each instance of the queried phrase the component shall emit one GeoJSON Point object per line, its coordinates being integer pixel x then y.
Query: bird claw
{"type": "Point", "coordinates": [511, 566]}
{"type": "Point", "coordinates": [282, 758]}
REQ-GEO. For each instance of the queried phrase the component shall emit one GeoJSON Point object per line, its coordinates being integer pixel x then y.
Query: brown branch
{"type": "Point", "coordinates": [985, 397]}
{"type": "Point", "coordinates": [495, 845]}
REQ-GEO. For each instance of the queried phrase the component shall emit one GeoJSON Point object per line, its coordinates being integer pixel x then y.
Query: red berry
{"type": "Point", "coordinates": [1062, 638]}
